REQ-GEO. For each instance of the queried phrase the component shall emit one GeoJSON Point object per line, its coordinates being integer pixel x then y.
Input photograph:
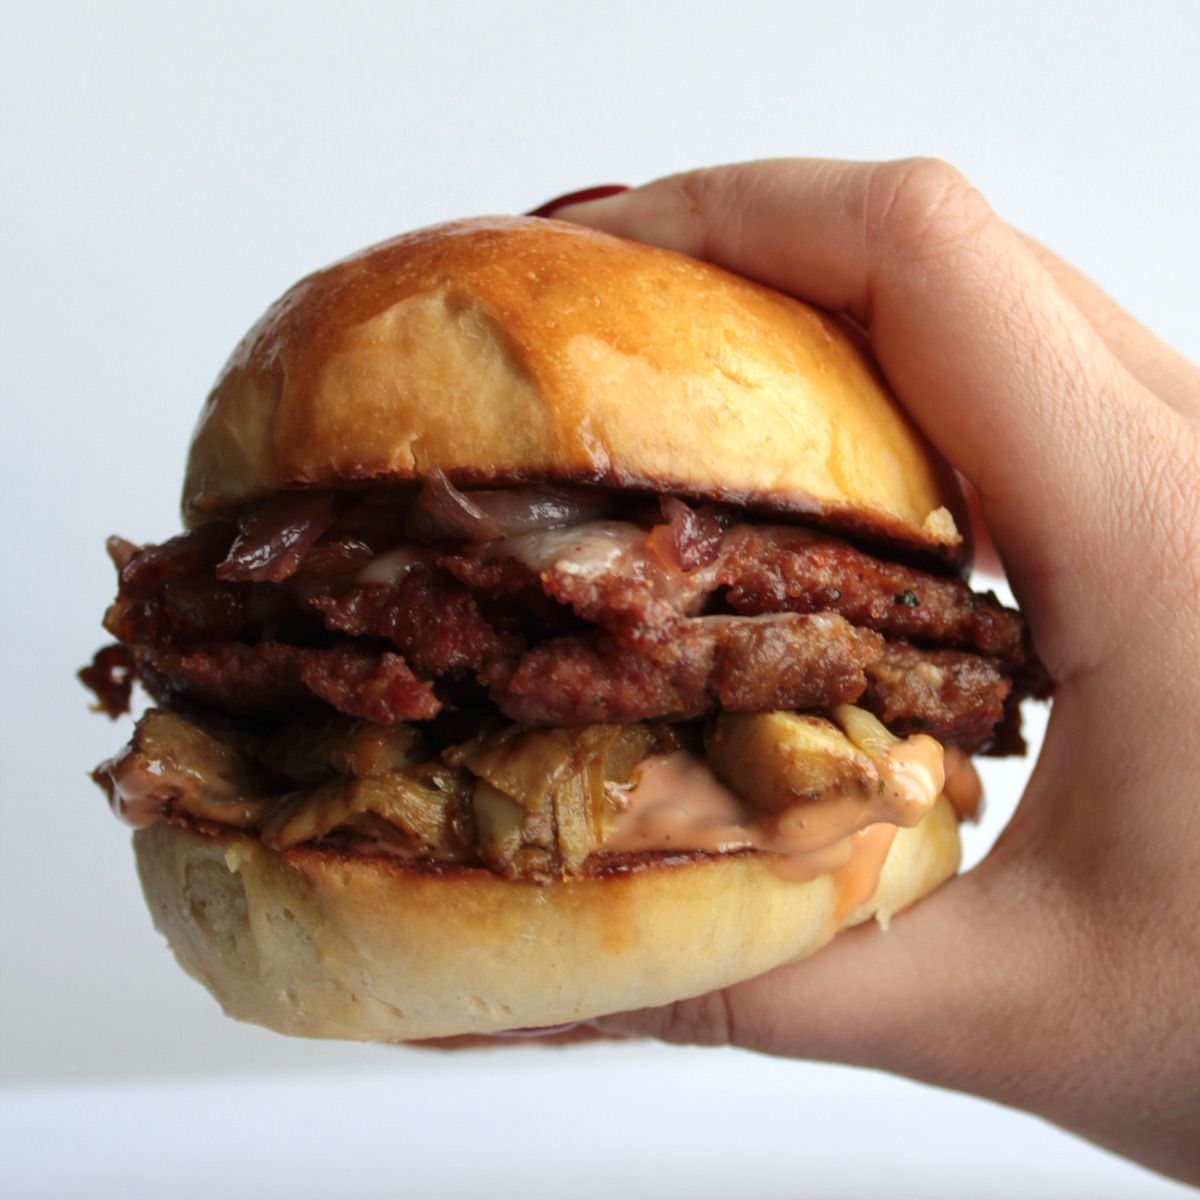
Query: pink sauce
{"type": "Point", "coordinates": [678, 803]}
{"type": "Point", "coordinates": [855, 882]}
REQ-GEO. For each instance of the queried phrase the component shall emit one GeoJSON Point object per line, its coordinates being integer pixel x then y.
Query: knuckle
{"type": "Point", "coordinates": [923, 207]}
{"type": "Point", "coordinates": [701, 197]}
{"type": "Point", "coordinates": [700, 1021]}
{"type": "Point", "coordinates": [695, 188]}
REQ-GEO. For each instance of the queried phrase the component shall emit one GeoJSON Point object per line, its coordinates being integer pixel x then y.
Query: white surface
{"type": "Point", "coordinates": [168, 170]}
{"type": "Point", "coordinates": [584, 1124]}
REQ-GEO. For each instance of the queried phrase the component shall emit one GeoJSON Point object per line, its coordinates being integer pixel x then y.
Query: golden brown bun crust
{"type": "Point", "coordinates": [505, 349]}
{"type": "Point", "coordinates": [321, 945]}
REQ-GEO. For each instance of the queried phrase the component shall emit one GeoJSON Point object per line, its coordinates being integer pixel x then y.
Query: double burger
{"type": "Point", "coordinates": [561, 626]}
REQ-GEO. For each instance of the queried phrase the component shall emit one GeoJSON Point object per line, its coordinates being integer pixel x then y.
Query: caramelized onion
{"type": "Point", "coordinates": [687, 538]}
{"type": "Point", "coordinates": [199, 550]}
{"type": "Point", "coordinates": [271, 544]}
{"type": "Point", "coordinates": [521, 510]}
{"type": "Point", "coordinates": [444, 513]}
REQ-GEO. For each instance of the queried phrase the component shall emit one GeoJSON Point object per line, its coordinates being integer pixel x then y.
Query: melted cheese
{"type": "Point", "coordinates": [606, 550]}
{"type": "Point", "coordinates": [590, 549]}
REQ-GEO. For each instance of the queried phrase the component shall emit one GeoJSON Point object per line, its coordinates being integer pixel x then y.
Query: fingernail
{"type": "Point", "coordinates": [593, 193]}
{"type": "Point", "coordinates": [543, 1030]}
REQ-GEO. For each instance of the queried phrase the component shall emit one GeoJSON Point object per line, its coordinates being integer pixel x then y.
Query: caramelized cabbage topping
{"type": "Point", "coordinates": [542, 802]}
{"type": "Point", "coordinates": [528, 804]}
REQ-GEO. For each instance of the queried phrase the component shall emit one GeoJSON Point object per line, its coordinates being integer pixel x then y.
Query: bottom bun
{"type": "Point", "coordinates": [321, 944]}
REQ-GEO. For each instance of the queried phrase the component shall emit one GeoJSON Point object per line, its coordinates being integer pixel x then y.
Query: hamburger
{"type": "Point", "coordinates": [560, 626]}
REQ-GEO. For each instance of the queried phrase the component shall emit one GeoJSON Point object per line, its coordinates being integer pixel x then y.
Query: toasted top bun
{"type": "Point", "coordinates": [321, 944]}
{"type": "Point", "coordinates": [506, 349]}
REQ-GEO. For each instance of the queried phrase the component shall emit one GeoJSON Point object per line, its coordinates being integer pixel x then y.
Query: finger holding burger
{"type": "Point", "coordinates": [1059, 975]}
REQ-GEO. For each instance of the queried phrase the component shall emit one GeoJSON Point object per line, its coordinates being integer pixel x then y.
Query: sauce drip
{"type": "Point", "coordinates": [963, 789]}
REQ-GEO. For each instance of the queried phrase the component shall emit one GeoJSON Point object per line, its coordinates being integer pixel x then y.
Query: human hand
{"type": "Point", "coordinates": [1062, 975]}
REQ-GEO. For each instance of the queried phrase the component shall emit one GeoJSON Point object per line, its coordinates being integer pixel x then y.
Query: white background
{"type": "Point", "coordinates": [167, 171]}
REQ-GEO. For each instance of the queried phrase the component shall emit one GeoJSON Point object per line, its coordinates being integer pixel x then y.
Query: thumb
{"type": "Point", "coordinates": [976, 988]}
{"type": "Point", "coordinates": [922, 998]}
